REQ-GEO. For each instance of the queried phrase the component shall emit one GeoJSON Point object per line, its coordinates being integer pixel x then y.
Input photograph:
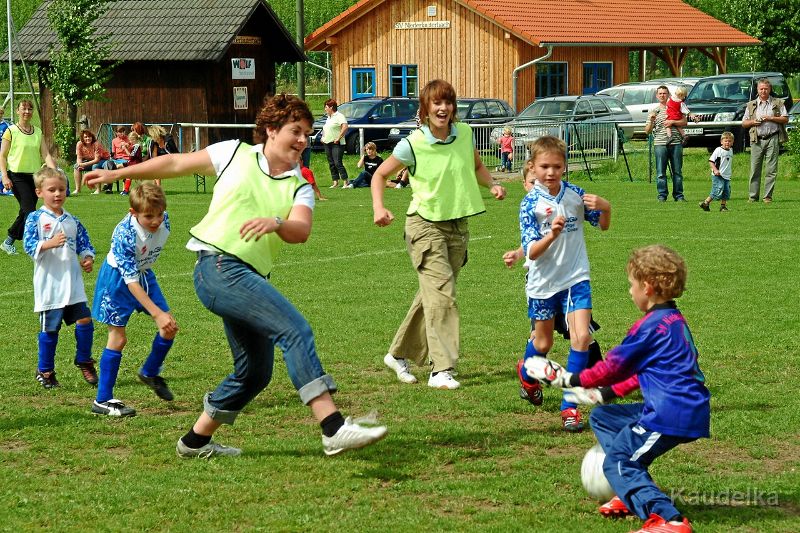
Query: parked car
{"type": "Point", "coordinates": [374, 110]}
{"type": "Point", "coordinates": [723, 98]}
{"type": "Point", "coordinates": [472, 111]}
{"type": "Point", "coordinates": [640, 97]}
{"type": "Point", "coordinates": [578, 119]}
{"type": "Point", "coordinates": [794, 117]}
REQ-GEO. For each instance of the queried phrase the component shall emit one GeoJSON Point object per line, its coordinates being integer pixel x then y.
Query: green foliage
{"type": "Point", "coordinates": [76, 72]}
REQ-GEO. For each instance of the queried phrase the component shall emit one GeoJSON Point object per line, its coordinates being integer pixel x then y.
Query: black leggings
{"type": "Point", "coordinates": [25, 193]}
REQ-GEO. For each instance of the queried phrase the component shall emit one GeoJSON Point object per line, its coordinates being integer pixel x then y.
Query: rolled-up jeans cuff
{"type": "Point", "coordinates": [316, 388]}
{"type": "Point", "coordinates": [218, 415]}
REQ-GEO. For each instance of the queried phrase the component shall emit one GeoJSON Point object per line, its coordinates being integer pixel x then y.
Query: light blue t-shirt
{"type": "Point", "coordinates": [403, 152]}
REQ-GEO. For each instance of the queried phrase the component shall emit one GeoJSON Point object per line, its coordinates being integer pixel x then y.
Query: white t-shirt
{"type": "Point", "coordinates": [221, 154]}
{"type": "Point", "coordinates": [725, 163]}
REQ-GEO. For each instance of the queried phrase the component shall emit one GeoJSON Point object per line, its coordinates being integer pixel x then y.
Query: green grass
{"type": "Point", "coordinates": [476, 459]}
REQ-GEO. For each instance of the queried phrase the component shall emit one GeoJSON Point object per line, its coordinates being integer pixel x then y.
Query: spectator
{"type": "Point", "coordinates": [89, 154]}
{"type": "Point", "coordinates": [667, 149]}
{"type": "Point", "coordinates": [158, 138]}
{"type": "Point", "coordinates": [334, 140]}
{"type": "Point", "coordinates": [21, 154]}
{"type": "Point", "coordinates": [144, 138]}
{"type": "Point", "coordinates": [370, 161]}
{"type": "Point", "coordinates": [766, 118]}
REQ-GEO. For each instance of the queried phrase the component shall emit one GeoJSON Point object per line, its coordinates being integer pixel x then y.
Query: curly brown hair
{"type": "Point", "coordinates": [662, 267]}
{"type": "Point", "coordinates": [279, 110]}
{"type": "Point", "coordinates": [89, 133]}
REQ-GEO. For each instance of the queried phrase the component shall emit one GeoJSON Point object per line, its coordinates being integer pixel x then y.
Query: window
{"type": "Point", "coordinates": [551, 79]}
{"type": "Point", "coordinates": [403, 80]}
{"type": "Point", "coordinates": [583, 110]}
{"type": "Point", "coordinates": [478, 111]}
{"type": "Point", "coordinates": [363, 82]}
{"type": "Point", "coordinates": [495, 109]}
{"type": "Point", "coordinates": [596, 77]}
{"type": "Point", "coordinates": [599, 108]}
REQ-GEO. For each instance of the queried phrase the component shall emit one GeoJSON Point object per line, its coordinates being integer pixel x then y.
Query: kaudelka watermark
{"type": "Point", "coordinates": [751, 496]}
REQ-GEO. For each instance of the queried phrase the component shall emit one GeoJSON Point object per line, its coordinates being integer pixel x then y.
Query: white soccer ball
{"type": "Point", "coordinates": [592, 476]}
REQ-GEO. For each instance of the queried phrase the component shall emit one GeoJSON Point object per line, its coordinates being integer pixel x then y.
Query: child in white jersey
{"type": "Point", "coordinates": [550, 219]}
{"type": "Point", "coordinates": [56, 240]}
{"type": "Point", "coordinates": [126, 284]}
{"type": "Point", "coordinates": [721, 163]}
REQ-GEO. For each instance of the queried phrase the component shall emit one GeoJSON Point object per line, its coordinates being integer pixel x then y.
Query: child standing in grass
{"type": "Point", "coordinates": [506, 150]}
{"type": "Point", "coordinates": [260, 202]}
{"type": "Point", "coordinates": [60, 248]}
{"type": "Point", "coordinates": [126, 283]}
{"type": "Point", "coordinates": [550, 219]}
{"type": "Point", "coordinates": [659, 355]}
{"type": "Point", "coordinates": [721, 162]}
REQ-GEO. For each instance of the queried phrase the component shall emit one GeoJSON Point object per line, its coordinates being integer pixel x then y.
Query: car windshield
{"type": "Point", "coordinates": [721, 90]}
{"type": "Point", "coordinates": [548, 108]}
{"type": "Point", "coordinates": [355, 109]}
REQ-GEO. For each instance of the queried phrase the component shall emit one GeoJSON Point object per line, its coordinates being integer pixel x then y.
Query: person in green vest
{"type": "Point", "coordinates": [260, 202]}
{"type": "Point", "coordinates": [445, 174]}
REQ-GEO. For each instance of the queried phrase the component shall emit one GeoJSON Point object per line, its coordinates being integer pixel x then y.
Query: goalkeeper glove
{"type": "Point", "coordinates": [547, 371]}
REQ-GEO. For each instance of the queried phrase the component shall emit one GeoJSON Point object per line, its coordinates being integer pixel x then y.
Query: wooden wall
{"type": "Point", "coordinates": [475, 54]}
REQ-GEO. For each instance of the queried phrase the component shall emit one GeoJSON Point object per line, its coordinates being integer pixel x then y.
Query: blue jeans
{"type": "Point", "coordinates": [505, 161]}
{"type": "Point", "coordinates": [256, 318]}
{"type": "Point", "coordinates": [630, 449]}
{"type": "Point", "coordinates": [334, 153]}
{"type": "Point", "coordinates": [674, 154]}
{"type": "Point", "coordinates": [364, 179]}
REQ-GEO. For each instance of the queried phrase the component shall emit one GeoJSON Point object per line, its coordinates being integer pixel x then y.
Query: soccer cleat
{"type": "Point", "coordinates": [723, 208]}
{"type": "Point", "coordinates": [656, 524]}
{"type": "Point", "coordinates": [88, 371]}
{"type": "Point", "coordinates": [212, 449]}
{"type": "Point", "coordinates": [112, 408]}
{"type": "Point", "coordinates": [400, 367]}
{"type": "Point", "coordinates": [124, 193]}
{"type": "Point", "coordinates": [571, 419]}
{"type": "Point", "coordinates": [443, 380]}
{"type": "Point", "coordinates": [10, 249]}
{"type": "Point", "coordinates": [158, 385]}
{"type": "Point", "coordinates": [531, 392]}
{"type": "Point", "coordinates": [704, 206]}
{"type": "Point", "coordinates": [614, 508]}
{"type": "Point", "coordinates": [47, 379]}
{"type": "Point", "coordinates": [352, 435]}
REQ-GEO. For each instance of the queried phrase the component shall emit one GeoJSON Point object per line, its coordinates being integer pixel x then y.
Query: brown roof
{"type": "Point", "coordinates": [634, 23]}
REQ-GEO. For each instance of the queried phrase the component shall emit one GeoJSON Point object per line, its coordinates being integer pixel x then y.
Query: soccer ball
{"type": "Point", "coordinates": [592, 476]}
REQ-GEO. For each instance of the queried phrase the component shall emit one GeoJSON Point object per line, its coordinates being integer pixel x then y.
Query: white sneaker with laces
{"type": "Point", "coordinates": [212, 449]}
{"type": "Point", "coordinates": [443, 380]}
{"type": "Point", "coordinates": [400, 367]}
{"type": "Point", "coordinates": [112, 407]}
{"type": "Point", "coordinates": [352, 435]}
{"type": "Point", "coordinates": [10, 249]}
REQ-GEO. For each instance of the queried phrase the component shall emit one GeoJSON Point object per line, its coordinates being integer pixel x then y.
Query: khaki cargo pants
{"type": "Point", "coordinates": [430, 329]}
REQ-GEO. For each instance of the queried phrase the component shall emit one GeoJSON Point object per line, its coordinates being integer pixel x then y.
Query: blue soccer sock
{"type": "Point", "coordinates": [152, 365]}
{"type": "Point", "coordinates": [530, 351]}
{"type": "Point", "coordinates": [84, 337]}
{"type": "Point", "coordinates": [109, 368]}
{"type": "Point", "coordinates": [576, 361]}
{"type": "Point", "coordinates": [47, 350]}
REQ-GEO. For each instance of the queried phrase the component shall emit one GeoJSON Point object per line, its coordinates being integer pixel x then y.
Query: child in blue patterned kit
{"type": "Point", "coordinates": [126, 284]}
{"type": "Point", "coordinates": [55, 240]}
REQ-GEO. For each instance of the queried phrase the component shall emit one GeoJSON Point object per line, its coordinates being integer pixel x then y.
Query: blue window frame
{"type": "Point", "coordinates": [597, 76]}
{"type": "Point", "coordinates": [403, 80]}
{"type": "Point", "coordinates": [363, 82]}
{"type": "Point", "coordinates": [551, 79]}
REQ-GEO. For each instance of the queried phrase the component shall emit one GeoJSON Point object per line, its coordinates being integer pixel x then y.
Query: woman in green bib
{"type": "Point", "coordinates": [260, 202]}
{"type": "Point", "coordinates": [445, 173]}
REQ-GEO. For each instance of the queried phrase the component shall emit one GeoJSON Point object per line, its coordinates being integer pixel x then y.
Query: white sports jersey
{"type": "Point", "coordinates": [57, 275]}
{"type": "Point", "coordinates": [134, 249]}
{"type": "Point", "coordinates": [565, 262]}
{"type": "Point", "coordinates": [724, 160]}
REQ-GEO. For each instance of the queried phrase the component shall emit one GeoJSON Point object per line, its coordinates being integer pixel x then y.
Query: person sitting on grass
{"type": "Point", "coordinates": [60, 248]}
{"type": "Point", "coordinates": [126, 283]}
{"type": "Point", "coordinates": [658, 354]}
{"type": "Point", "coordinates": [370, 161]}
{"type": "Point", "coordinates": [260, 201]}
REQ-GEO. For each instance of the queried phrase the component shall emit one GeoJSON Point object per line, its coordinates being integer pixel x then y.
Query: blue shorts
{"type": "Point", "coordinates": [113, 302]}
{"type": "Point", "coordinates": [579, 296]}
{"type": "Point", "coordinates": [52, 318]}
{"type": "Point", "coordinates": [720, 188]}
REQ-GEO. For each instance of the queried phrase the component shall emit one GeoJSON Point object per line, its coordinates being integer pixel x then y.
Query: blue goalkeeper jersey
{"type": "Point", "coordinates": [660, 351]}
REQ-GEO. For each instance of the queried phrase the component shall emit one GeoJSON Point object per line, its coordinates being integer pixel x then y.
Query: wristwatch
{"type": "Point", "coordinates": [278, 221]}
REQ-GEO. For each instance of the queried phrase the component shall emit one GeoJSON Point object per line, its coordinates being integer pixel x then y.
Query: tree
{"type": "Point", "coordinates": [77, 71]}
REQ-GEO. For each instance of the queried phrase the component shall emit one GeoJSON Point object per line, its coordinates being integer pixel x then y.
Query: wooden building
{"type": "Point", "coordinates": [517, 50]}
{"type": "Point", "coordinates": [207, 61]}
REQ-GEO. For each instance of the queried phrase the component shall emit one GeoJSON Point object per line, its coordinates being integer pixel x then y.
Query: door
{"type": "Point", "coordinates": [363, 82]}
{"type": "Point", "coordinates": [596, 77]}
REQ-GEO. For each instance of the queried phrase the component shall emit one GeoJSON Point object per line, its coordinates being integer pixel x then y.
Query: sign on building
{"type": "Point", "coordinates": [243, 68]}
{"type": "Point", "coordinates": [240, 97]}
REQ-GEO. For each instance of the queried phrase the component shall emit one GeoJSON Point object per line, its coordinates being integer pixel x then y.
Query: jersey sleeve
{"type": "Point", "coordinates": [621, 362]}
{"type": "Point", "coordinates": [123, 248]}
{"type": "Point", "coordinates": [31, 240]}
{"type": "Point", "coordinates": [83, 246]}
{"type": "Point", "coordinates": [528, 225]}
{"type": "Point", "coordinates": [167, 222]}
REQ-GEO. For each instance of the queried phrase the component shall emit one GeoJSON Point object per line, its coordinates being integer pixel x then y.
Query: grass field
{"type": "Point", "coordinates": [475, 459]}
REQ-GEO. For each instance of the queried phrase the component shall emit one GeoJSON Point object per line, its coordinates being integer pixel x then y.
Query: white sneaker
{"type": "Point", "coordinates": [398, 186]}
{"type": "Point", "coordinates": [443, 381]}
{"type": "Point", "coordinates": [10, 249]}
{"type": "Point", "coordinates": [97, 190]}
{"type": "Point", "coordinates": [352, 435]}
{"type": "Point", "coordinates": [400, 366]}
{"type": "Point", "coordinates": [212, 449]}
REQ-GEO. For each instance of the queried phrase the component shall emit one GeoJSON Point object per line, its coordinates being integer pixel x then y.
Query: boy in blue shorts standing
{"type": "Point", "coordinates": [658, 355]}
{"type": "Point", "coordinates": [126, 284]}
{"type": "Point", "coordinates": [721, 163]}
{"type": "Point", "coordinates": [551, 220]}
{"type": "Point", "coordinates": [55, 240]}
